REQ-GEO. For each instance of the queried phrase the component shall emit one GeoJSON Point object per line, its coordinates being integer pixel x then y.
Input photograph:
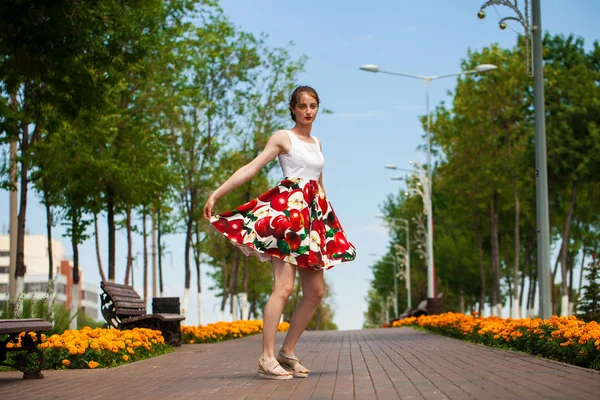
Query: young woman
{"type": "Point", "coordinates": [292, 225]}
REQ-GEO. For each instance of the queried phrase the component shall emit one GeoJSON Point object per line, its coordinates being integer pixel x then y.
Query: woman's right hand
{"type": "Point", "coordinates": [209, 207]}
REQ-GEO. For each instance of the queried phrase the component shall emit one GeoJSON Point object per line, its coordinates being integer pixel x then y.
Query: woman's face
{"type": "Point", "coordinates": [306, 109]}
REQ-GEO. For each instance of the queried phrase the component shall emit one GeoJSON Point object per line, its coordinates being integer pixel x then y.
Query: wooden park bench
{"type": "Point", "coordinates": [123, 308]}
{"type": "Point", "coordinates": [28, 359]}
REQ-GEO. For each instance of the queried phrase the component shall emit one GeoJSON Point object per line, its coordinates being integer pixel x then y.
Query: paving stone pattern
{"type": "Point", "coordinates": [396, 363]}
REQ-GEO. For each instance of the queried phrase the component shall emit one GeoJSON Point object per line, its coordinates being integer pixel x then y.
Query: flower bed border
{"type": "Point", "coordinates": [563, 339]}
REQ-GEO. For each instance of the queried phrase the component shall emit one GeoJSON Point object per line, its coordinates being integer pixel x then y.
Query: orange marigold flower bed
{"type": "Point", "coordinates": [566, 339]}
{"type": "Point", "coordinates": [89, 348]}
{"type": "Point", "coordinates": [221, 331]}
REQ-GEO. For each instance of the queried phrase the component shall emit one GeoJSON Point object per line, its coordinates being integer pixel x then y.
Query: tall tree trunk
{"type": "Point", "coordinates": [14, 208]}
{"type": "Point", "coordinates": [564, 311]}
{"type": "Point", "coordinates": [555, 269]}
{"type": "Point", "coordinates": [129, 266]}
{"type": "Point", "coordinates": [534, 288]}
{"type": "Point", "coordinates": [253, 311]}
{"type": "Point", "coordinates": [159, 244]}
{"type": "Point", "coordinates": [110, 220]}
{"type": "Point", "coordinates": [481, 272]}
{"type": "Point", "coordinates": [21, 268]}
{"type": "Point", "coordinates": [571, 268]}
{"type": "Point", "coordinates": [98, 256]}
{"type": "Point", "coordinates": [75, 287]}
{"type": "Point", "coordinates": [233, 286]}
{"type": "Point", "coordinates": [244, 294]}
{"type": "Point", "coordinates": [526, 273]}
{"type": "Point", "coordinates": [581, 272]}
{"type": "Point", "coordinates": [496, 299]}
{"type": "Point", "coordinates": [197, 254]}
{"type": "Point", "coordinates": [509, 280]}
{"type": "Point", "coordinates": [154, 266]}
{"type": "Point", "coordinates": [48, 231]}
{"type": "Point", "coordinates": [49, 223]}
{"type": "Point", "coordinates": [517, 250]}
{"type": "Point", "coordinates": [188, 273]}
{"type": "Point", "coordinates": [225, 285]}
{"type": "Point", "coordinates": [515, 306]}
{"type": "Point", "coordinates": [145, 255]}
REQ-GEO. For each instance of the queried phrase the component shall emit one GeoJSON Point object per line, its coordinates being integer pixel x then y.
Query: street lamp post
{"type": "Point", "coordinates": [428, 79]}
{"type": "Point", "coordinates": [395, 264]}
{"type": "Point", "coordinates": [541, 188]}
{"type": "Point", "coordinates": [404, 252]}
{"type": "Point", "coordinates": [422, 189]}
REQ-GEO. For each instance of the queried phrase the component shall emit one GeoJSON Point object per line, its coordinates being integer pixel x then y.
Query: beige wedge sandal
{"type": "Point", "coordinates": [272, 370]}
{"type": "Point", "coordinates": [292, 364]}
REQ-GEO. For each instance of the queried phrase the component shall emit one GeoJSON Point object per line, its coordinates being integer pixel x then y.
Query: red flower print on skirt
{"type": "Point", "coordinates": [294, 221]}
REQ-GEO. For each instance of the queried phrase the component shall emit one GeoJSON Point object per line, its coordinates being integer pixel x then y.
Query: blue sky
{"type": "Point", "coordinates": [375, 120]}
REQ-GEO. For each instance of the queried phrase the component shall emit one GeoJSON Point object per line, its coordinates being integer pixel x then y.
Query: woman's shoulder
{"type": "Point", "coordinates": [282, 139]}
{"type": "Point", "coordinates": [281, 133]}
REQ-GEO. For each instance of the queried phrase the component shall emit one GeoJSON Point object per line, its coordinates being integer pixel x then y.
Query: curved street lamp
{"type": "Point", "coordinates": [428, 79]}
{"type": "Point", "coordinates": [534, 29]}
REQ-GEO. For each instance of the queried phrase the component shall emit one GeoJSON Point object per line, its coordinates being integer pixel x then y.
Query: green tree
{"type": "Point", "coordinates": [590, 304]}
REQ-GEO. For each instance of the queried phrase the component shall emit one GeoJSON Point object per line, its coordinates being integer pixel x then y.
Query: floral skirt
{"type": "Point", "coordinates": [294, 221]}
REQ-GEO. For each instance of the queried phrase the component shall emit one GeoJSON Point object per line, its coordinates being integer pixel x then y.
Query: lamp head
{"type": "Point", "coordinates": [485, 67]}
{"type": "Point", "coordinates": [370, 67]}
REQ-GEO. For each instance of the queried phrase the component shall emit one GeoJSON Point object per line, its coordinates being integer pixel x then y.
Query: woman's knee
{"type": "Point", "coordinates": [283, 291]}
{"type": "Point", "coordinates": [314, 295]}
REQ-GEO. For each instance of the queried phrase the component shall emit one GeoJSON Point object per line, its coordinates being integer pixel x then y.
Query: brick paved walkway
{"type": "Point", "coordinates": [369, 364]}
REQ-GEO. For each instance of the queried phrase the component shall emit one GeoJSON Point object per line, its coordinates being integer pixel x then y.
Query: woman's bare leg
{"type": "Point", "coordinates": [283, 284]}
{"type": "Point", "coordinates": [312, 293]}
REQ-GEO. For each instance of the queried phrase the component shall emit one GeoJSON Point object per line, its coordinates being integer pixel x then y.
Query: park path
{"type": "Point", "coordinates": [395, 363]}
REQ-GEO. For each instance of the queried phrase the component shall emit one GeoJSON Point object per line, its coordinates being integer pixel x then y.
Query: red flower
{"type": "Point", "coordinates": [279, 202]}
{"type": "Point", "coordinates": [263, 227]}
{"type": "Point", "coordinates": [248, 206]}
{"type": "Point", "coordinates": [297, 220]}
{"type": "Point", "coordinates": [281, 223]}
{"type": "Point", "coordinates": [293, 240]}
{"type": "Point", "coordinates": [341, 241]}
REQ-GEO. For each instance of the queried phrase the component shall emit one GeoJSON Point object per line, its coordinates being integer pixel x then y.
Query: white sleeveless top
{"type": "Point", "coordinates": [304, 160]}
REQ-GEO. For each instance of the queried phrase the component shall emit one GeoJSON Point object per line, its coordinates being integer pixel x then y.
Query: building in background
{"type": "Point", "coordinates": [36, 274]}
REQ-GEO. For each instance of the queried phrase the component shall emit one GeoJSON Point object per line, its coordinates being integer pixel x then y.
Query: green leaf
{"type": "Point", "coordinates": [302, 249]}
{"type": "Point", "coordinates": [283, 247]}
